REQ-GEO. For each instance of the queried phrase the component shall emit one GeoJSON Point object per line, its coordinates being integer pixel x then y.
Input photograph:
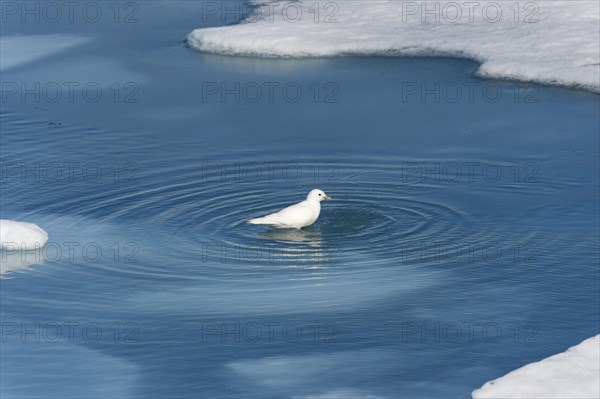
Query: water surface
{"type": "Point", "coordinates": [462, 244]}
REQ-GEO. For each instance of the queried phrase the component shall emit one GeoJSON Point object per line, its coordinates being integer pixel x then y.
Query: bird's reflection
{"type": "Point", "coordinates": [310, 236]}
{"type": "Point", "coordinates": [306, 246]}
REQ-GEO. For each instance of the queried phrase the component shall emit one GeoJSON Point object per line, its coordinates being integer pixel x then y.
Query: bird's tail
{"type": "Point", "coordinates": [263, 220]}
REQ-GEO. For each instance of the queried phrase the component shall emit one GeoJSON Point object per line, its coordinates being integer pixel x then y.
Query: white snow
{"type": "Point", "coordinates": [571, 374]}
{"type": "Point", "coordinates": [544, 41]}
{"type": "Point", "coordinates": [21, 236]}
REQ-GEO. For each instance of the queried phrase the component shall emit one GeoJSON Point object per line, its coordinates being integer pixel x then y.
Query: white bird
{"type": "Point", "coordinates": [298, 215]}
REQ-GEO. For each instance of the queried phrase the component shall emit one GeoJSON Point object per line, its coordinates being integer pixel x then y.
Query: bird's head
{"type": "Point", "coordinates": [318, 195]}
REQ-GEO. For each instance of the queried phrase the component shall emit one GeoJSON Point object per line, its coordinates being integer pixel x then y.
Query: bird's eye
{"type": "Point", "coordinates": [319, 195]}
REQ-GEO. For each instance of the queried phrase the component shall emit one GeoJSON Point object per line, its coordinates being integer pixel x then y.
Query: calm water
{"type": "Point", "coordinates": [462, 244]}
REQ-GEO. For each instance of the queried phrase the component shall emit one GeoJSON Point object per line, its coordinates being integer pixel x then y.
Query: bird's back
{"type": "Point", "coordinates": [295, 216]}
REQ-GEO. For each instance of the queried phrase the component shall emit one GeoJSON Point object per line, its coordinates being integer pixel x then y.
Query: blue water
{"type": "Point", "coordinates": [462, 242]}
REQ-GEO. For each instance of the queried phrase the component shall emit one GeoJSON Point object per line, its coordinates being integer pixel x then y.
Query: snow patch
{"type": "Point", "coordinates": [552, 42]}
{"type": "Point", "coordinates": [571, 374]}
{"type": "Point", "coordinates": [21, 236]}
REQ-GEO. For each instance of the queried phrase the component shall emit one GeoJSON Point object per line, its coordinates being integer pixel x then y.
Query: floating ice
{"type": "Point", "coordinates": [18, 50]}
{"type": "Point", "coordinates": [545, 41]}
{"type": "Point", "coordinates": [69, 367]}
{"type": "Point", "coordinates": [13, 260]}
{"type": "Point", "coordinates": [571, 374]}
{"type": "Point", "coordinates": [305, 374]}
{"type": "Point", "coordinates": [21, 236]}
{"type": "Point", "coordinates": [340, 394]}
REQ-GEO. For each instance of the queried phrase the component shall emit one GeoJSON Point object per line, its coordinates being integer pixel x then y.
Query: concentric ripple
{"type": "Point", "coordinates": [194, 216]}
{"type": "Point", "coordinates": [370, 222]}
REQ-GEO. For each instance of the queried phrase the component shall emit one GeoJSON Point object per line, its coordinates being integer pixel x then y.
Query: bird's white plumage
{"type": "Point", "coordinates": [296, 216]}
